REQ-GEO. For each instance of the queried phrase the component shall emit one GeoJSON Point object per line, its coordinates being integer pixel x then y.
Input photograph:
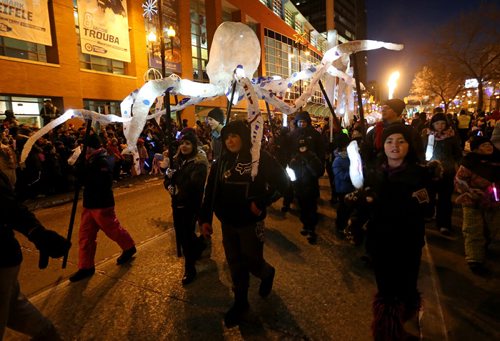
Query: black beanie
{"type": "Point", "coordinates": [396, 104]}
{"type": "Point", "coordinates": [302, 115]}
{"type": "Point", "coordinates": [217, 115]}
{"type": "Point", "coordinates": [476, 141]}
{"type": "Point", "coordinates": [439, 117]}
{"type": "Point", "coordinates": [397, 128]}
{"type": "Point", "coordinates": [191, 137]}
{"type": "Point", "coordinates": [93, 141]}
{"type": "Point", "coordinates": [238, 127]}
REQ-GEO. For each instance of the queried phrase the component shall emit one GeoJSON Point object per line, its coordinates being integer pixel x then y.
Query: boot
{"type": "Point", "coordinates": [387, 322]}
{"type": "Point", "coordinates": [313, 238]}
{"type": "Point", "coordinates": [189, 274]}
{"type": "Point", "coordinates": [82, 274]}
{"type": "Point", "coordinates": [234, 316]}
{"type": "Point", "coordinates": [266, 285]}
{"type": "Point", "coordinates": [126, 256]}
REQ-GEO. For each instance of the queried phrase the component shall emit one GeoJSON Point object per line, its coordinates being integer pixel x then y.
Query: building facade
{"type": "Point", "coordinates": [99, 75]}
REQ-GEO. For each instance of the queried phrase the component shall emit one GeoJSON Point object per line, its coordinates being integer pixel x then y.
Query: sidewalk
{"type": "Point", "coordinates": [321, 292]}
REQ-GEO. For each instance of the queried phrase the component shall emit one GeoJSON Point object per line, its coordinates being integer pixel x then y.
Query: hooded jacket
{"type": "Point", "coordinates": [230, 189]}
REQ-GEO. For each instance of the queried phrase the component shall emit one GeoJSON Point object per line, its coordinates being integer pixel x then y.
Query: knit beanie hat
{"type": "Point", "coordinates": [438, 117]}
{"type": "Point", "coordinates": [238, 127]}
{"type": "Point", "coordinates": [217, 115]}
{"type": "Point", "coordinates": [476, 141]}
{"type": "Point", "coordinates": [302, 116]}
{"type": "Point", "coordinates": [397, 128]}
{"type": "Point", "coordinates": [191, 137]}
{"type": "Point", "coordinates": [396, 104]}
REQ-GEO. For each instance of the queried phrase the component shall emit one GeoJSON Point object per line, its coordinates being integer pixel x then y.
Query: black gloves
{"type": "Point", "coordinates": [49, 243]}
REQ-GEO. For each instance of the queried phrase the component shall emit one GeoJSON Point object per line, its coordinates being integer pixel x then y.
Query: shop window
{"type": "Point", "coordinates": [199, 44]}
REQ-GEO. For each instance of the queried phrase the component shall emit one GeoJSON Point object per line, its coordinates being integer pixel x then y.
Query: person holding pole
{"type": "Point", "coordinates": [98, 211]}
{"type": "Point", "coordinates": [16, 312]}
{"type": "Point", "coordinates": [185, 181]}
{"type": "Point", "coordinates": [239, 202]}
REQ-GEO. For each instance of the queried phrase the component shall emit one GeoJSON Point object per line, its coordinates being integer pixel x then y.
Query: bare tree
{"type": "Point", "coordinates": [438, 82]}
{"type": "Point", "coordinates": [470, 46]}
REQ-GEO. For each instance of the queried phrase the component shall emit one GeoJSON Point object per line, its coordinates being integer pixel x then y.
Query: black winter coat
{"type": "Point", "coordinates": [307, 168]}
{"type": "Point", "coordinates": [235, 189]}
{"type": "Point", "coordinates": [97, 180]}
{"type": "Point", "coordinates": [13, 216]}
{"type": "Point", "coordinates": [397, 213]}
{"type": "Point", "coordinates": [189, 181]}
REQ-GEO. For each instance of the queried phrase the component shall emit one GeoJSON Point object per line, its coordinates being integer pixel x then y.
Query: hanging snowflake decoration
{"type": "Point", "coordinates": [150, 9]}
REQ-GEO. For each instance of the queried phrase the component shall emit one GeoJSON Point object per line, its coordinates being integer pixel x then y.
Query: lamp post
{"type": "Point", "coordinates": [392, 83]}
{"type": "Point", "coordinates": [171, 35]}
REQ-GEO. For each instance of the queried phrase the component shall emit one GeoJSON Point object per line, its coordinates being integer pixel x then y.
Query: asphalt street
{"type": "Point", "coordinates": [321, 292]}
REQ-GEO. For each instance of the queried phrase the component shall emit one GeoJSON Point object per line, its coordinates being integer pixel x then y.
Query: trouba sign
{"type": "Point", "coordinates": [104, 28]}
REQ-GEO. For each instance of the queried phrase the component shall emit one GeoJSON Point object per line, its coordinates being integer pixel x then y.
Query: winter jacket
{"type": "Point", "coordinates": [188, 180]}
{"type": "Point", "coordinates": [475, 179]}
{"type": "Point", "coordinates": [97, 179]}
{"type": "Point", "coordinates": [13, 216]}
{"type": "Point", "coordinates": [235, 190]}
{"type": "Point", "coordinates": [341, 175]}
{"type": "Point", "coordinates": [314, 140]}
{"type": "Point", "coordinates": [400, 197]}
{"type": "Point", "coordinates": [446, 149]}
{"type": "Point", "coordinates": [307, 167]}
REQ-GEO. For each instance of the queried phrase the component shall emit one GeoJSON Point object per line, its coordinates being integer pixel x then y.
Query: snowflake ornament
{"type": "Point", "coordinates": [150, 9]}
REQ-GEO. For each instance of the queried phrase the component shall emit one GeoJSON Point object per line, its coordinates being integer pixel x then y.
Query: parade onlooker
{"type": "Point", "coordinates": [442, 144]}
{"type": "Point", "coordinates": [185, 182]}
{"type": "Point", "coordinates": [478, 182]}
{"type": "Point", "coordinates": [307, 167]}
{"type": "Point", "coordinates": [98, 211]}
{"type": "Point", "coordinates": [240, 202]}
{"type": "Point", "coordinates": [397, 192]}
{"type": "Point", "coordinates": [49, 112]}
{"type": "Point", "coordinates": [16, 312]}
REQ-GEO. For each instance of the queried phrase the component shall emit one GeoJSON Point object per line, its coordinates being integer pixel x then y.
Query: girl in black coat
{"type": "Point", "coordinates": [397, 191]}
{"type": "Point", "coordinates": [185, 182]}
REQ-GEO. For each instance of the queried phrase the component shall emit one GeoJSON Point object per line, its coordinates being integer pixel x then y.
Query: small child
{"type": "Point", "coordinates": [343, 184]}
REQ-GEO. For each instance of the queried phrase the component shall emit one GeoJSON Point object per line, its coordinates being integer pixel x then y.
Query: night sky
{"type": "Point", "coordinates": [408, 22]}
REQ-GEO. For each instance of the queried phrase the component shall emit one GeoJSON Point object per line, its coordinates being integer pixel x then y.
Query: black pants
{"type": "Point", "coordinates": [396, 273]}
{"type": "Point", "coordinates": [244, 248]}
{"type": "Point", "coordinates": [184, 225]}
{"type": "Point", "coordinates": [308, 211]}
{"type": "Point", "coordinates": [444, 205]}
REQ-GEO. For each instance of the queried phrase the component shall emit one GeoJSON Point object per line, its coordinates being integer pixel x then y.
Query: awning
{"type": "Point", "coordinates": [317, 110]}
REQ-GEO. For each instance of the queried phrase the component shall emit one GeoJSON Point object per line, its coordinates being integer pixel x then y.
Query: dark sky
{"type": "Point", "coordinates": [408, 22]}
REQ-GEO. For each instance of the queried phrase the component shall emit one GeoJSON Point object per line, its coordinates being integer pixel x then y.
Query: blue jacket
{"type": "Point", "coordinates": [341, 176]}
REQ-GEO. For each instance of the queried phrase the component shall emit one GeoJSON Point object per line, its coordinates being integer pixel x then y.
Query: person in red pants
{"type": "Point", "coordinates": [98, 211]}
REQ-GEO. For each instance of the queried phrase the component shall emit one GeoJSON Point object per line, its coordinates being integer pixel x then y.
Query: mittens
{"type": "Point", "coordinates": [49, 243]}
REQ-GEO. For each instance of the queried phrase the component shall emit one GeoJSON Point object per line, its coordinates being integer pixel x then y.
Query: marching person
{"type": "Point", "coordinates": [478, 182]}
{"type": "Point", "coordinates": [240, 202]}
{"type": "Point", "coordinates": [185, 182]}
{"type": "Point", "coordinates": [308, 168]}
{"type": "Point", "coordinates": [98, 211]}
{"type": "Point", "coordinates": [442, 144]}
{"type": "Point", "coordinates": [16, 312]}
{"type": "Point", "coordinates": [397, 193]}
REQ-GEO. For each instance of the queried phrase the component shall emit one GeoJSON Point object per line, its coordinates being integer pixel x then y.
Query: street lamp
{"type": "Point", "coordinates": [392, 83]}
{"type": "Point", "coordinates": [171, 35]}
